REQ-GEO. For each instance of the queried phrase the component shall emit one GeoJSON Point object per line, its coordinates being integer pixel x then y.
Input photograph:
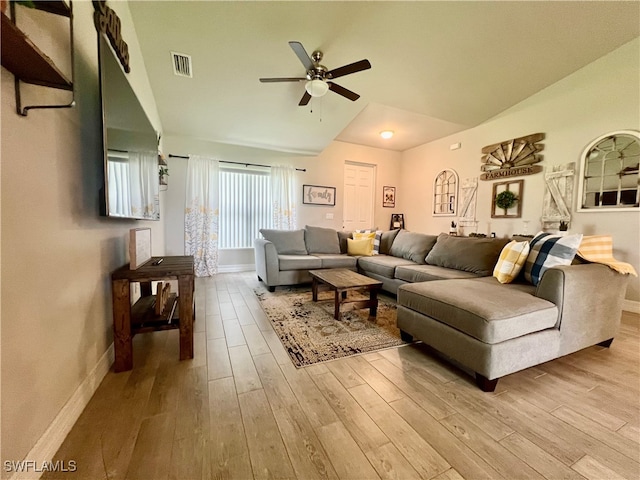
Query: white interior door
{"type": "Point", "coordinates": [359, 184]}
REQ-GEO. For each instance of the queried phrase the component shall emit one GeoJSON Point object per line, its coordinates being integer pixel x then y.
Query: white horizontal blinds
{"type": "Point", "coordinates": [245, 207]}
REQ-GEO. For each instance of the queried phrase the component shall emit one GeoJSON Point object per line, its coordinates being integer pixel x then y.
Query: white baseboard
{"type": "Point", "coordinates": [51, 440]}
{"type": "Point", "coordinates": [631, 306]}
{"type": "Point", "coordinates": [247, 267]}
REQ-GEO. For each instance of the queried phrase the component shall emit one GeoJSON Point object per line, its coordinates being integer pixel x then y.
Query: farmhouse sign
{"type": "Point", "coordinates": [513, 158]}
{"type": "Point", "coordinates": [108, 22]}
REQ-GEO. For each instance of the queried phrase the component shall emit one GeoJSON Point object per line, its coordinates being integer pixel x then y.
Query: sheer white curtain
{"type": "Point", "coordinates": [283, 195]}
{"type": "Point", "coordinates": [201, 214]}
{"type": "Point", "coordinates": [144, 184]}
{"type": "Point", "coordinates": [133, 184]}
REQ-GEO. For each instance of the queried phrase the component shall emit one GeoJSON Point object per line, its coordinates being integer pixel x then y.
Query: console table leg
{"type": "Point", "coordinates": [122, 340]}
{"type": "Point", "coordinates": [185, 299]}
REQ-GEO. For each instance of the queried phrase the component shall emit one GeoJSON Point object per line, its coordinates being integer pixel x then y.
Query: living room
{"type": "Point", "coordinates": [57, 252]}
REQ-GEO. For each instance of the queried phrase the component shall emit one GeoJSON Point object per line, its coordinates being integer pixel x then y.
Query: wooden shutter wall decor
{"type": "Point", "coordinates": [558, 195]}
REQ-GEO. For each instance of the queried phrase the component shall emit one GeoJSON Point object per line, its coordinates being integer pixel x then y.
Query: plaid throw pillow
{"type": "Point", "coordinates": [548, 251]}
{"type": "Point", "coordinates": [511, 261]}
{"type": "Point", "coordinates": [376, 239]}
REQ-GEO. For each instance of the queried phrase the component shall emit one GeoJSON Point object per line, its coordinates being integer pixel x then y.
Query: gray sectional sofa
{"type": "Point", "coordinates": [448, 298]}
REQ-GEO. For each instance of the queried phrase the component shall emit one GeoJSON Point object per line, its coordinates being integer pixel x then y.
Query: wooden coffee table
{"type": "Point", "coordinates": [341, 280]}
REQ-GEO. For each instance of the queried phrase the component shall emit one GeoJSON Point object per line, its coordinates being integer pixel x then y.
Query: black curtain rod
{"type": "Point", "coordinates": [171, 155]}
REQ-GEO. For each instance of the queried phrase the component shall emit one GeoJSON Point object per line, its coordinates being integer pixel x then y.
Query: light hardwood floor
{"type": "Point", "coordinates": [241, 410]}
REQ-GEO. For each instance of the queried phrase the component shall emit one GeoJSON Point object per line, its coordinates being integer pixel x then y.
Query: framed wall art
{"type": "Point", "coordinates": [318, 195]}
{"type": "Point", "coordinates": [389, 197]}
{"type": "Point", "coordinates": [506, 201]}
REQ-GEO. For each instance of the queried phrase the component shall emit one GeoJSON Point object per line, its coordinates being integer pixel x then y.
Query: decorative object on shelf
{"type": "Point", "coordinates": [468, 195]}
{"type": "Point", "coordinates": [389, 197]}
{"type": "Point", "coordinates": [558, 195]}
{"type": "Point", "coordinates": [397, 221]}
{"type": "Point", "coordinates": [445, 193]}
{"type": "Point", "coordinates": [478, 235]}
{"type": "Point", "coordinates": [507, 199]}
{"type": "Point", "coordinates": [610, 173]}
{"type": "Point", "coordinates": [318, 195]}
{"type": "Point", "coordinates": [453, 230]}
{"type": "Point", "coordinates": [564, 226]}
{"type": "Point", "coordinates": [139, 247]}
{"type": "Point", "coordinates": [513, 158]}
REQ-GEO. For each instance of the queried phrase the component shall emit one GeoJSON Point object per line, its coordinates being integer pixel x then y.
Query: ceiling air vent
{"type": "Point", "coordinates": [182, 64]}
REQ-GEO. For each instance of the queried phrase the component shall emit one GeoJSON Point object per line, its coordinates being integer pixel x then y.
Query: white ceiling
{"type": "Point", "coordinates": [437, 67]}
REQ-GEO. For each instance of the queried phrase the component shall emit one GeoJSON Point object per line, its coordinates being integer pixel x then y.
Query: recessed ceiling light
{"type": "Point", "coordinates": [386, 134]}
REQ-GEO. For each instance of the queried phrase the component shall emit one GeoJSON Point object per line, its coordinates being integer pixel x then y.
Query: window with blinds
{"type": "Point", "coordinates": [245, 207]}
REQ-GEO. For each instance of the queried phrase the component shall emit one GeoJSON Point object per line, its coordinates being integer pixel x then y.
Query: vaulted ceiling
{"type": "Point", "coordinates": [437, 67]}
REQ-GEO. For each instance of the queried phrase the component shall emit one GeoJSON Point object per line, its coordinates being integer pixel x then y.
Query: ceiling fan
{"type": "Point", "coordinates": [318, 77]}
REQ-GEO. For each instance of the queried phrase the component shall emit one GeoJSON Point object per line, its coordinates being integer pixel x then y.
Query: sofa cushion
{"type": "Point", "coordinates": [412, 245]}
{"type": "Point", "coordinates": [503, 312]}
{"type": "Point", "coordinates": [548, 251]}
{"type": "Point", "coordinates": [337, 261]}
{"type": "Point", "coordinates": [386, 240]}
{"type": "Point", "coordinates": [362, 246]}
{"type": "Point", "coordinates": [426, 273]}
{"type": "Point", "coordinates": [287, 242]}
{"type": "Point", "coordinates": [321, 240]}
{"type": "Point", "coordinates": [342, 239]}
{"type": "Point", "coordinates": [511, 261]}
{"type": "Point", "coordinates": [384, 265]}
{"type": "Point", "coordinates": [299, 262]}
{"type": "Point", "coordinates": [470, 254]}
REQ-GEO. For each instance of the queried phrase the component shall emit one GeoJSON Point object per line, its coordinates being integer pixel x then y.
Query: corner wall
{"type": "Point", "coordinates": [57, 253]}
{"type": "Point", "coordinates": [599, 98]}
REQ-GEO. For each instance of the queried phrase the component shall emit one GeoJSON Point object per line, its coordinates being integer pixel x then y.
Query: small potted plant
{"type": "Point", "coordinates": [164, 173]}
{"type": "Point", "coordinates": [564, 226]}
{"type": "Point", "coordinates": [453, 230]}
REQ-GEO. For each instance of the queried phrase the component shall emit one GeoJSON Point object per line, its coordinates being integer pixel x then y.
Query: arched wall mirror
{"type": "Point", "coordinates": [445, 193]}
{"type": "Point", "coordinates": [609, 178]}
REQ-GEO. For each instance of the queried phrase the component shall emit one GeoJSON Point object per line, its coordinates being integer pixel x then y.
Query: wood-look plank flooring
{"type": "Point", "coordinates": [241, 410]}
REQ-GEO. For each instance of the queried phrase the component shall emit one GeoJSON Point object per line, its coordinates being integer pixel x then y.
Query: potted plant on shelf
{"type": "Point", "coordinates": [164, 173]}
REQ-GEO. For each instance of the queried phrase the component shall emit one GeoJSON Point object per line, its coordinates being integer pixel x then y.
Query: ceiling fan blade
{"type": "Point", "coordinates": [343, 91]}
{"type": "Point", "coordinates": [348, 69]}
{"type": "Point", "coordinates": [302, 55]}
{"type": "Point", "coordinates": [283, 79]}
{"type": "Point", "coordinates": [305, 99]}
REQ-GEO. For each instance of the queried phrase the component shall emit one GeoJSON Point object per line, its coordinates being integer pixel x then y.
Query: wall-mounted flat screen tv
{"type": "Point", "coordinates": [131, 178]}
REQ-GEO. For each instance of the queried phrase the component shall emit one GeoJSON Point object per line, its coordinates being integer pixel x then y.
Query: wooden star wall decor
{"type": "Point", "coordinates": [513, 158]}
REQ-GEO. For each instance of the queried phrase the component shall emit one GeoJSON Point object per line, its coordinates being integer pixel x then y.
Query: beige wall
{"type": "Point", "coordinates": [600, 98]}
{"type": "Point", "coordinates": [325, 169]}
{"type": "Point", "coordinates": [57, 253]}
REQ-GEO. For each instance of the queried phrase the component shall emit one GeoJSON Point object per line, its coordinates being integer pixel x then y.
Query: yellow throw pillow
{"type": "Point", "coordinates": [363, 247]}
{"type": "Point", "coordinates": [371, 236]}
{"type": "Point", "coordinates": [511, 261]}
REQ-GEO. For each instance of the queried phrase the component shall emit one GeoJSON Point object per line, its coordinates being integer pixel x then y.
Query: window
{"type": "Point", "coordinates": [245, 207]}
{"type": "Point", "coordinates": [609, 178]}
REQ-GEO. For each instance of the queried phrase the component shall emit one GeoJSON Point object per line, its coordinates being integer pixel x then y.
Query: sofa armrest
{"type": "Point", "coordinates": [589, 299]}
{"type": "Point", "coordinates": [267, 263]}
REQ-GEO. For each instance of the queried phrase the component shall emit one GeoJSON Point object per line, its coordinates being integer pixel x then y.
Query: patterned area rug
{"type": "Point", "coordinates": [311, 335]}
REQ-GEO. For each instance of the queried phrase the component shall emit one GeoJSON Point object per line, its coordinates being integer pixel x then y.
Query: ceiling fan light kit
{"type": "Point", "coordinates": [316, 88]}
{"type": "Point", "coordinates": [317, 76]}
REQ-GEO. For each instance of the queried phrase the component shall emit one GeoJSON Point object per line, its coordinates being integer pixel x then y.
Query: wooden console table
{"type": "Point", "coordinates": [139, 318]}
